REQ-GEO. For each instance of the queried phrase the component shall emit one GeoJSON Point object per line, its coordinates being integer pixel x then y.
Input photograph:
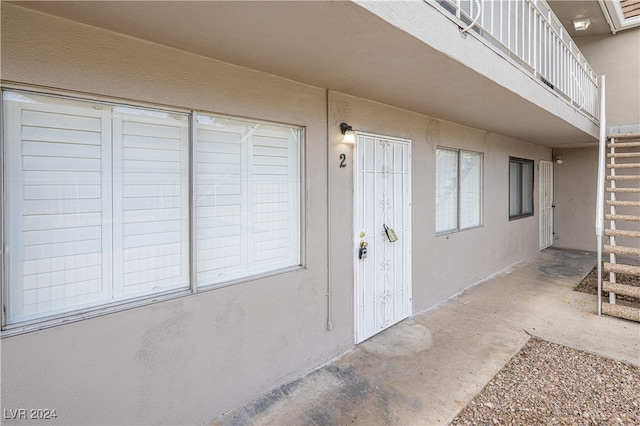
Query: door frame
{"type": "Point", "coordinates": [408, 260]}
{"type": "Point", "coordinates": [545, 241]}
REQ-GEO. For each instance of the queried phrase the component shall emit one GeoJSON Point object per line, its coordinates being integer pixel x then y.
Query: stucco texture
{"type": "Point", "coordinates": [575, 198]}
{"type": "Point", "coordinates": [442, 265]}
{"type": "Point", "coordinates": [618, 58]}
{"type": "Point", "coordinates": [187, 360]}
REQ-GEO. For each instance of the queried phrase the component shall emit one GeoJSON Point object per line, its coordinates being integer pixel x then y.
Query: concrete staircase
{"type": "Point", "coordinates": [623, 193]}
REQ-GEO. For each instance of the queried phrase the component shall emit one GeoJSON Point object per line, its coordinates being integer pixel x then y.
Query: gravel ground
{"type": "Point", "coordinates": [550, 384]}
{"type": "Point", "coordinates": [589, 284]}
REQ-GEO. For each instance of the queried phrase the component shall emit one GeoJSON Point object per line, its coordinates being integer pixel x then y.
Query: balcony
{"type": "Point", "coordinates": [528, 33]}
{"type": "Point", "coordinates": [524, 82]}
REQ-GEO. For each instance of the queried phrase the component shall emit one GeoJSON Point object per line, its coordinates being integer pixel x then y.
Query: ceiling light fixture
{"type": "Point", "coordinates": [581, 24]}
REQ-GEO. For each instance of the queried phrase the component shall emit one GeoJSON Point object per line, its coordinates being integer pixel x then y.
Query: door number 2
{"type": "Point", "coordinates": [343, 160]}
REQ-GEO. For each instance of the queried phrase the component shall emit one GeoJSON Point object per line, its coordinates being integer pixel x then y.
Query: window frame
{"type": "Point", "coordinates": [521, 161]}
{"type": "Point", "coordinates": [73, 315]}
{"type": "Point", "coordinates": [458, 227]}
{"type": "Point", "coordinates": [300, 200]}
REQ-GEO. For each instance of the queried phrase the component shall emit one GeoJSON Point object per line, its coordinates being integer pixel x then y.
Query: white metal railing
{"type": "Point", "coordinates": [528, 32]}
{"type": "Point", "coordinates": [602, 158]}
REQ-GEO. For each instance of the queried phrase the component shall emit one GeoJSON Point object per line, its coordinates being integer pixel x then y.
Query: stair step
{"type": "Point", "coordinates": [624, 217]}
{"type": "Point", "coordinates": [623, 189]}
{"type": "Point", "coordinates": [623, 166]}
{"type": "Point", "coordinates": [623, 289]}
{"type": "Point", "coordinates": [624, 136]}
{"type": "Point", "coordinates": [623, 177]}
{"type": "Point", "coordinates": [623, 203]}
{"type": "Point", "coordinates": [621, 233]}
{"type": "Point", "coordinates": [624, 155]}
{"type": "Point", "coordinates": [621, 311]}
{"type": "Point", "coordinates": [630, 251]}
{"type": "Point", "coordinates": [621, 268]}
{"type": "Point", "coordinates": [623, 144]}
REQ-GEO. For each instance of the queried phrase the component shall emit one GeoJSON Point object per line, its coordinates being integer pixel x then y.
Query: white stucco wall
{"type": "Point", "coordinates": [618, 58]}
{"type": "Point", "coordinates": [442, 265]}
{"type": "Point", "coordinates": [575, 198]}
{"type": "Point", "coordinates": [187, 360]}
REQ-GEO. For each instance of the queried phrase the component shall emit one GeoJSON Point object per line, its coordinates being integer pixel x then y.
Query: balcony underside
{"type": "Point", "coordinates": [402, 54]}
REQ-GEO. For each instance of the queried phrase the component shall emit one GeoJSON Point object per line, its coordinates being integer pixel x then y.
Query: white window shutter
{"type": "Point", "coordinates": [275, 198]}
{"type": "Point", "coordinates": [59, 161]}
{"type": "Point", "coordinates": [470, 189]}
{"type": "Point", "coordinates": [247, 198]}
{"type": "Point", "coordinates": [98, 202]}
{"type": "Point", "coordinates": [219, 200]}
{"type": "Point", "coordinates": [151, 202]}
{"type": "Point", "coordinates": [446, 190]}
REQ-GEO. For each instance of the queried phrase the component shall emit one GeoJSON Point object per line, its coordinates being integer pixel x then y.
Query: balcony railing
{"type": "Point", "coordinates": [529, 33]}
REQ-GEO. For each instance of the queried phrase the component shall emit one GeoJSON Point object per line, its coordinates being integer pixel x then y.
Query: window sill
{"type": "Point", "coordinates": [88, 313]}
{"type": "Point", "coordinates": [457, 231]}
{"type": "Point", "coordinates": [522, 216]}
{"type": "Point", "coordinates": [67, 318]}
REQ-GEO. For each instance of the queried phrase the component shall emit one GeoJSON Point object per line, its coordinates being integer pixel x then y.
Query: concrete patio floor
{"type": "Point", "coordinates": [425, 369]}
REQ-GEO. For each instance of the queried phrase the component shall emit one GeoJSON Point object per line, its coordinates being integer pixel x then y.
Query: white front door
{"type": "Point", "coordinates": [546, 204]}
{"type": "Point", "coordinates": [382, 199]}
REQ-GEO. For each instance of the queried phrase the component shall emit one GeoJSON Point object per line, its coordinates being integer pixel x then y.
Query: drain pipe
{"type": "Point", "coordinates": [329, 312]}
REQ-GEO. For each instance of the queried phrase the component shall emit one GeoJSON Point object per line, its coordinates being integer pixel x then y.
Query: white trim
{"type": "Point", "coordinates": [89, 97]}
{"type": "Point", "coordinates": [545, 178]}
{"type": "Point", "coordinates": [615, 17]}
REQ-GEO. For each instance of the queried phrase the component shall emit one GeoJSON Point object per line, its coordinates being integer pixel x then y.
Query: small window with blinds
{"type": "Point", "coordinates": [247, 198]}
{"type": "Point", "coordinates": [458, 190]}
{"type": "Point", "coordinates": [99, 206]}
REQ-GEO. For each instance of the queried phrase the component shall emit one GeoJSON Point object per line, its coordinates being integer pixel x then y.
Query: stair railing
{"type": "Point", "coordinates": [584, 97]}
{"type": "Point", "coordinates": [602, 166]}
{"type": "Point", "coordinates": [475, 20]}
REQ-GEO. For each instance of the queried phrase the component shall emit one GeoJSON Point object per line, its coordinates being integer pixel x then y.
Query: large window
{"type": "Point", "coordinates": [520, 188]}
{"type": "Point", "coordinates": [99, 208]}
{"type": "Point", "coordinates": [458, 190]}
{"type": "Point", "coordinates": [247, 197]}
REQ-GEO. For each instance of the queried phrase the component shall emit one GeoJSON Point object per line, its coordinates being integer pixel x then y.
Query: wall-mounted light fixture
{"type": "Point", "coordinates": [581, 24]}
{"type": "Point", "coordinates": [349, 134]}
{"type": "Point", "coordinates": [558, 160]}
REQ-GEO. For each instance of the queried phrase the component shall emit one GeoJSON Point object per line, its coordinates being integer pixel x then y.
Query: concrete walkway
{"type": "Point", "coordinates": [426, 368]}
